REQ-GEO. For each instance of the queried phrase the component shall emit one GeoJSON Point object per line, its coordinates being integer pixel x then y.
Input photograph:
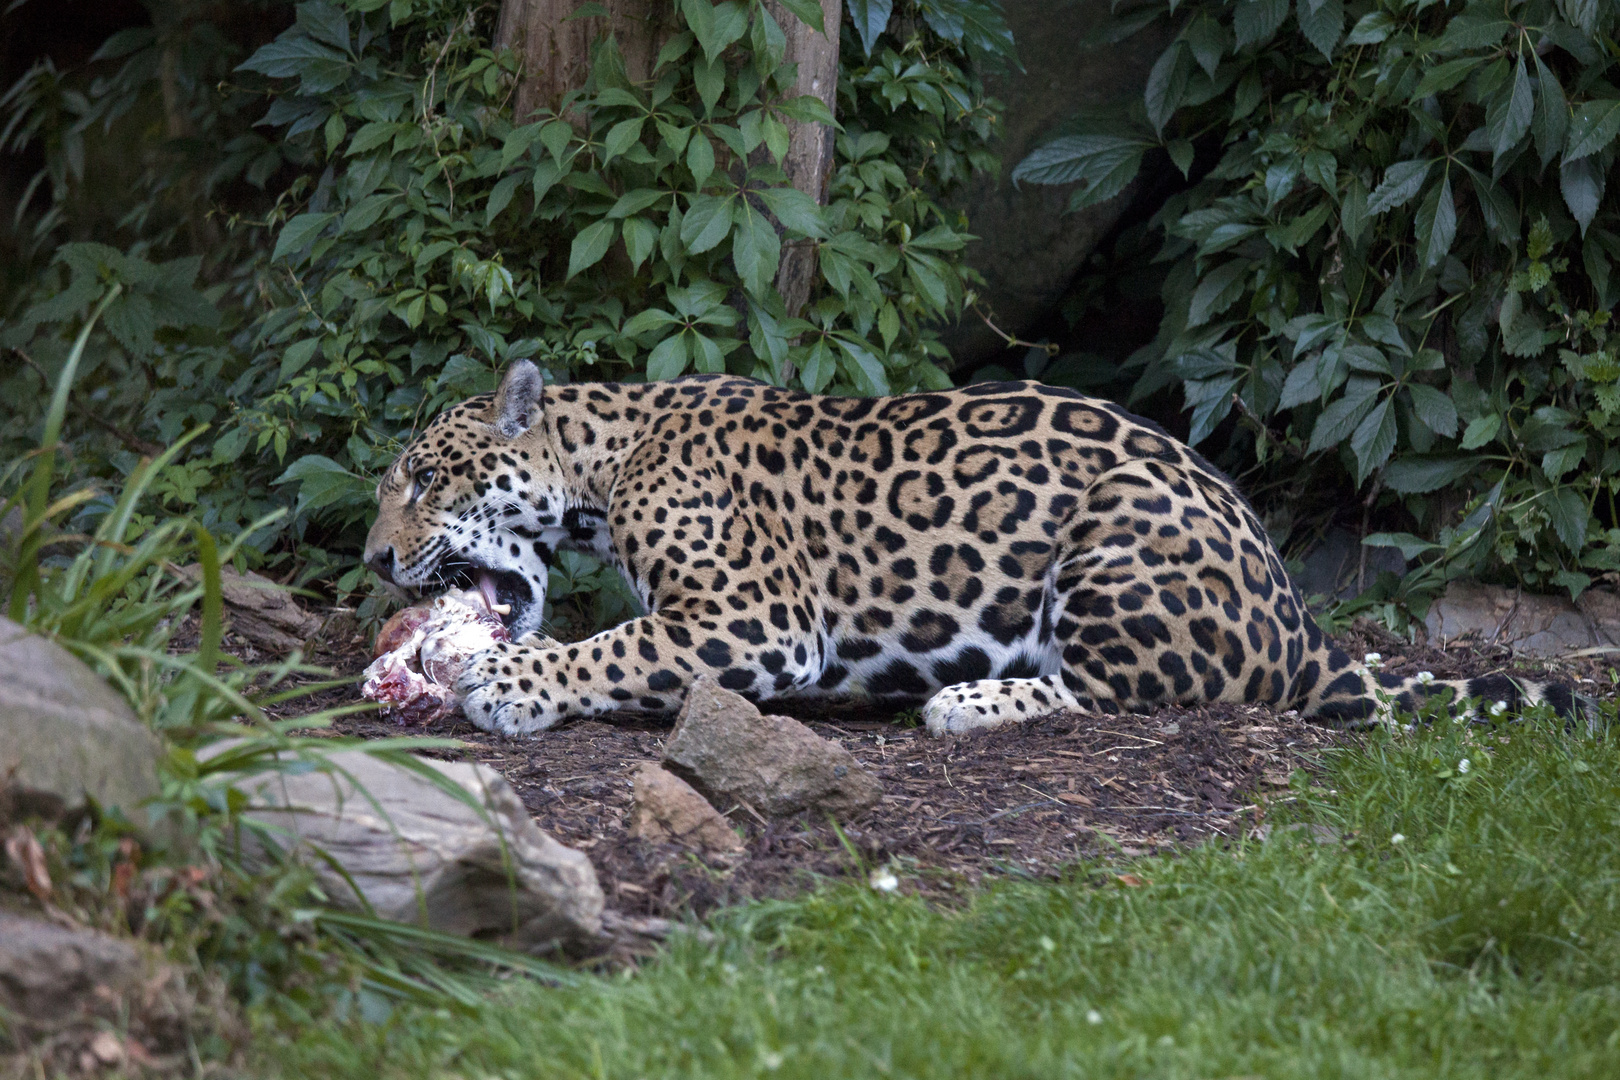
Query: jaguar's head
{"type": "Point", "coordinates": [477, 501]}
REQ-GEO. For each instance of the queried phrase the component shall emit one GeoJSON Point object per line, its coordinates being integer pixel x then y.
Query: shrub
{"type": "Point", "coordinates": [1394, 260]}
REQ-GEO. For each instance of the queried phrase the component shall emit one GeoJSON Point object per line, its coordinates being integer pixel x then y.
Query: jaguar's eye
{"type": "Point", "coordinates": [421, 482]}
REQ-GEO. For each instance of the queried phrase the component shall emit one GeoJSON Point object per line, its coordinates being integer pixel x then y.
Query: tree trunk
{"type": "Point", "coordinates": [809, 161]}
{"type": "Point", "coordinates": [556, 59]}
{"type": "Point", "coordinates": [557, 53]}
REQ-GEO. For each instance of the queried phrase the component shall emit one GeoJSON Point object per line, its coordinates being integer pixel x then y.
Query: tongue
{"type": "Point", "coordinates": [486, 588]}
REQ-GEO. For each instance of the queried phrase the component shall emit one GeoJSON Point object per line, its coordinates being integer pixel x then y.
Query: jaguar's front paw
{"type": "Point", "coordinates": [499, 695]}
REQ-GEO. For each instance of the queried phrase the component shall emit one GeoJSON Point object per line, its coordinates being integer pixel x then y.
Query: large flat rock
{"type": "Point", "coordinates": [1528, 623]}
{"type": "Point", "coordinates": [66, 737]}
{"type": "Point", "coordinates": [472, 863]}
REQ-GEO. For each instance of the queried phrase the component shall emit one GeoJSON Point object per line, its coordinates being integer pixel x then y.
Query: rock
{"type": "Point", "coordinates": [669, 810]}
{"type": "Point", "coordinates": [51, 973]}
{"type": "Point", "coordinates": [66, 737]}
{"type": "Point", "coordinates": [1332, 565]}
{"type": "Point", "coordinates": [1029, 249]}
{"type": "Point", "coordinates": [262, 611]}
{"type": "Point", "coordinates": [416, 851]}
{"type": "Point", "coordinates": [728, 751]}
{"type": "Point", "coordinates": [1528, 623]}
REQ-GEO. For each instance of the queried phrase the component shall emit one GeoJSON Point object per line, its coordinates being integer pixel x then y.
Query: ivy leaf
{"type": "Point", "coordinates": [1217, 291]}
{"type": "Point", "coordinates": [297, 355]}
{"type": "Point", "coordinates": [871, 18]}
{"type": "Point", "coordinates": [1181, 155]}
{"type": "Point", "coordinates": [1593, 128]}
{"type": "Point", "coordinates": [1434, 408]}
{"type": "Point", "coordinates": [1343, 415]}
{"type": "Point", "coordinates": [1470, 31]}
{"type": "Point", "coordinates": [808, 12]}
{"type": "Point", "coordinates": [640, 236]}
{"type": "Point", "coordinates": [1207, 39]}
{"type": "Point", "coordinates": [1582, 182]}
{"type": "Point", "coordinates": [556, 136]}
{"type": "Point", "coordinates": [817, 369]}
{"type": "Point", "coordinates": [1581, 13]}
{"type": "Point", "coordinates": [700, 159]}
{"type": "Point", "coordinates": [668, 358]}
{"type": "Point", "coordinates": [300, 233]}
{"type": "Point", "coordinates": [1167, 85]}
{"type": "Point", "coordinates": [590, 245]}
{"type": "Point", "coordinates": [1556, 463]}
{"type": "Point", "coordinates": [500, 197]}
{"type": "Point", "coordinates": [1374, 439]}
{"type": "Point", "coordinates": [634, 202]}
{"type": "Point", "coordinates": [1371, 29]}
{"type": "Point", "coordinates": [1079, 157]}
{"type": "Point", "coordinates": [317, 67]}
{"type": "Point", "coordinates": [756, 250]}
{"type": "Point", "coordinates": [1443, 77]}
{"type": "Point", "coordinates": [621, 137]}
{"type": "Point", "coordinates": [1401, 182]}
{"type": "Point", "coordinates": [1480, 431]}
{"type": "Point", "coordinates": [1410, 546]}
{"type": "Point", "coordinates": [1414, 476]}
{"type": "Point", "coordinates": [1301, 386]}
{"type": "Point", "coordinates": [323, 482]}
{"type": "Point", "coordinates": [323, 22]}
{"type": "Point", "coordinates": [1322, 169]}
{"type": "Point", "coordinates": [1255, 21]}
{"type": "Point", "coordinates": [795, 210]}
{"type": "Point", "coordinates": [1437, 224]}
{"type": "Point", "coordinates": [706, 224]}
{"type": "Point", "coordinates": [1569, 517]}
{"type": "Point", "coordinates": [709, 76]}
{"type": "Point", "coordinates": [1507, 120]}
{"type": "Point", "coordinates": [1322, 22]}
{"type": "Point", "coordinates": [1497, 207]}
{"type": "Point", "coordinates": [1353, 211]}
{"type": "Point", "coordinates": [1552, 114]}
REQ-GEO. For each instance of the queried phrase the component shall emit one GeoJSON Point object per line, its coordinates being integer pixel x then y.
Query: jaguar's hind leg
{"type": "Point", "coordinates": [990, 703]}
{"type": "Point", "coordinates": [1164, 591]}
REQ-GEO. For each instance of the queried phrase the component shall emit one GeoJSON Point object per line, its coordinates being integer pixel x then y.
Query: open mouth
{"type": "Point", "coordinates": [506, 594]}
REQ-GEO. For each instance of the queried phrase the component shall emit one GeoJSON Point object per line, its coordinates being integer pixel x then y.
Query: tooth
{"type": "Point", "coordinates": [501, 609]}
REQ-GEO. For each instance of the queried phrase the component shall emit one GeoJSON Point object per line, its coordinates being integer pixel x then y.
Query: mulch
{"type": "Point", "coordinates": [1022, 801]}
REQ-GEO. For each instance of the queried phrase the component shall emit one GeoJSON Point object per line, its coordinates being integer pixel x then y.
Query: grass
{"type": "Point", "coordinates": [1484, 942]}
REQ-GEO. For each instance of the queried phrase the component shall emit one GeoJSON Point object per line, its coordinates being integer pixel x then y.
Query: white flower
{"type": "Point", "coordinates": [1464, 765]}
{"type": "Point", "coordinates": [1425, 677]}
{"type": "Point", "coordinates": [1398, 838]}
{"type": "Point", "coordinates": [884, 880]}
{"type": "Point", "coordinates": [1093, 1016]}
{"type": "Point", "coordinates": [1498, 709]}
{"type": "Point", "coordinates": [1373, 660]}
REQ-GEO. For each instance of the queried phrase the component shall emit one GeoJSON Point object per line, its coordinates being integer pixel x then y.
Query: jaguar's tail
{"type": "Point", "coordinates": [1351, 695]}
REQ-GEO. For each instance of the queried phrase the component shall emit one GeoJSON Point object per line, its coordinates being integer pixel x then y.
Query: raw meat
{"type": "Point", "coordinates": [427, 649]}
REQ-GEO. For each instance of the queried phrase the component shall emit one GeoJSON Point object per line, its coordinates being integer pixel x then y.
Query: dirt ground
{"type": "Point", "coordinates": [1022, 801]}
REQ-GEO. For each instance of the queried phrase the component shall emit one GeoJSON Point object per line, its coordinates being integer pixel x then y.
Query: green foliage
{"type": "Point", "coordinates": [423, 236]}
{"type": "Point", "coordinates": [1396, 254]}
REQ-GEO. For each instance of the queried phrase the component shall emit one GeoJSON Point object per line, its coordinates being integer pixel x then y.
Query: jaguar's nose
{"type": "Point", "coordinates": [381, 563]}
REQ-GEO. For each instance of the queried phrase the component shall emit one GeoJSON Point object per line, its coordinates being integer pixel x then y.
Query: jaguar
{"type": "Point", "coordinates": [1001, 551]}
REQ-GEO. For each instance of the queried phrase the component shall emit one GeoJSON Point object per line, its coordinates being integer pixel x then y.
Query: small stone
{"type": "Point", "coordinates": [728, 751]}
{"type": "Point", "coordinates": [668, 809]}
{"type": "Point", "coordinates": [106, 1048]}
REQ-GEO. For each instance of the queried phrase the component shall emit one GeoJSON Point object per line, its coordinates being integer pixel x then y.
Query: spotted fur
{"type": "Point", "coordinates": [1002, 550]}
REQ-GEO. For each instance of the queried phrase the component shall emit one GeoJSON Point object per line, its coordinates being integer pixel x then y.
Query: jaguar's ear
{"type": "Point", "coordinates": [518, 398]}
